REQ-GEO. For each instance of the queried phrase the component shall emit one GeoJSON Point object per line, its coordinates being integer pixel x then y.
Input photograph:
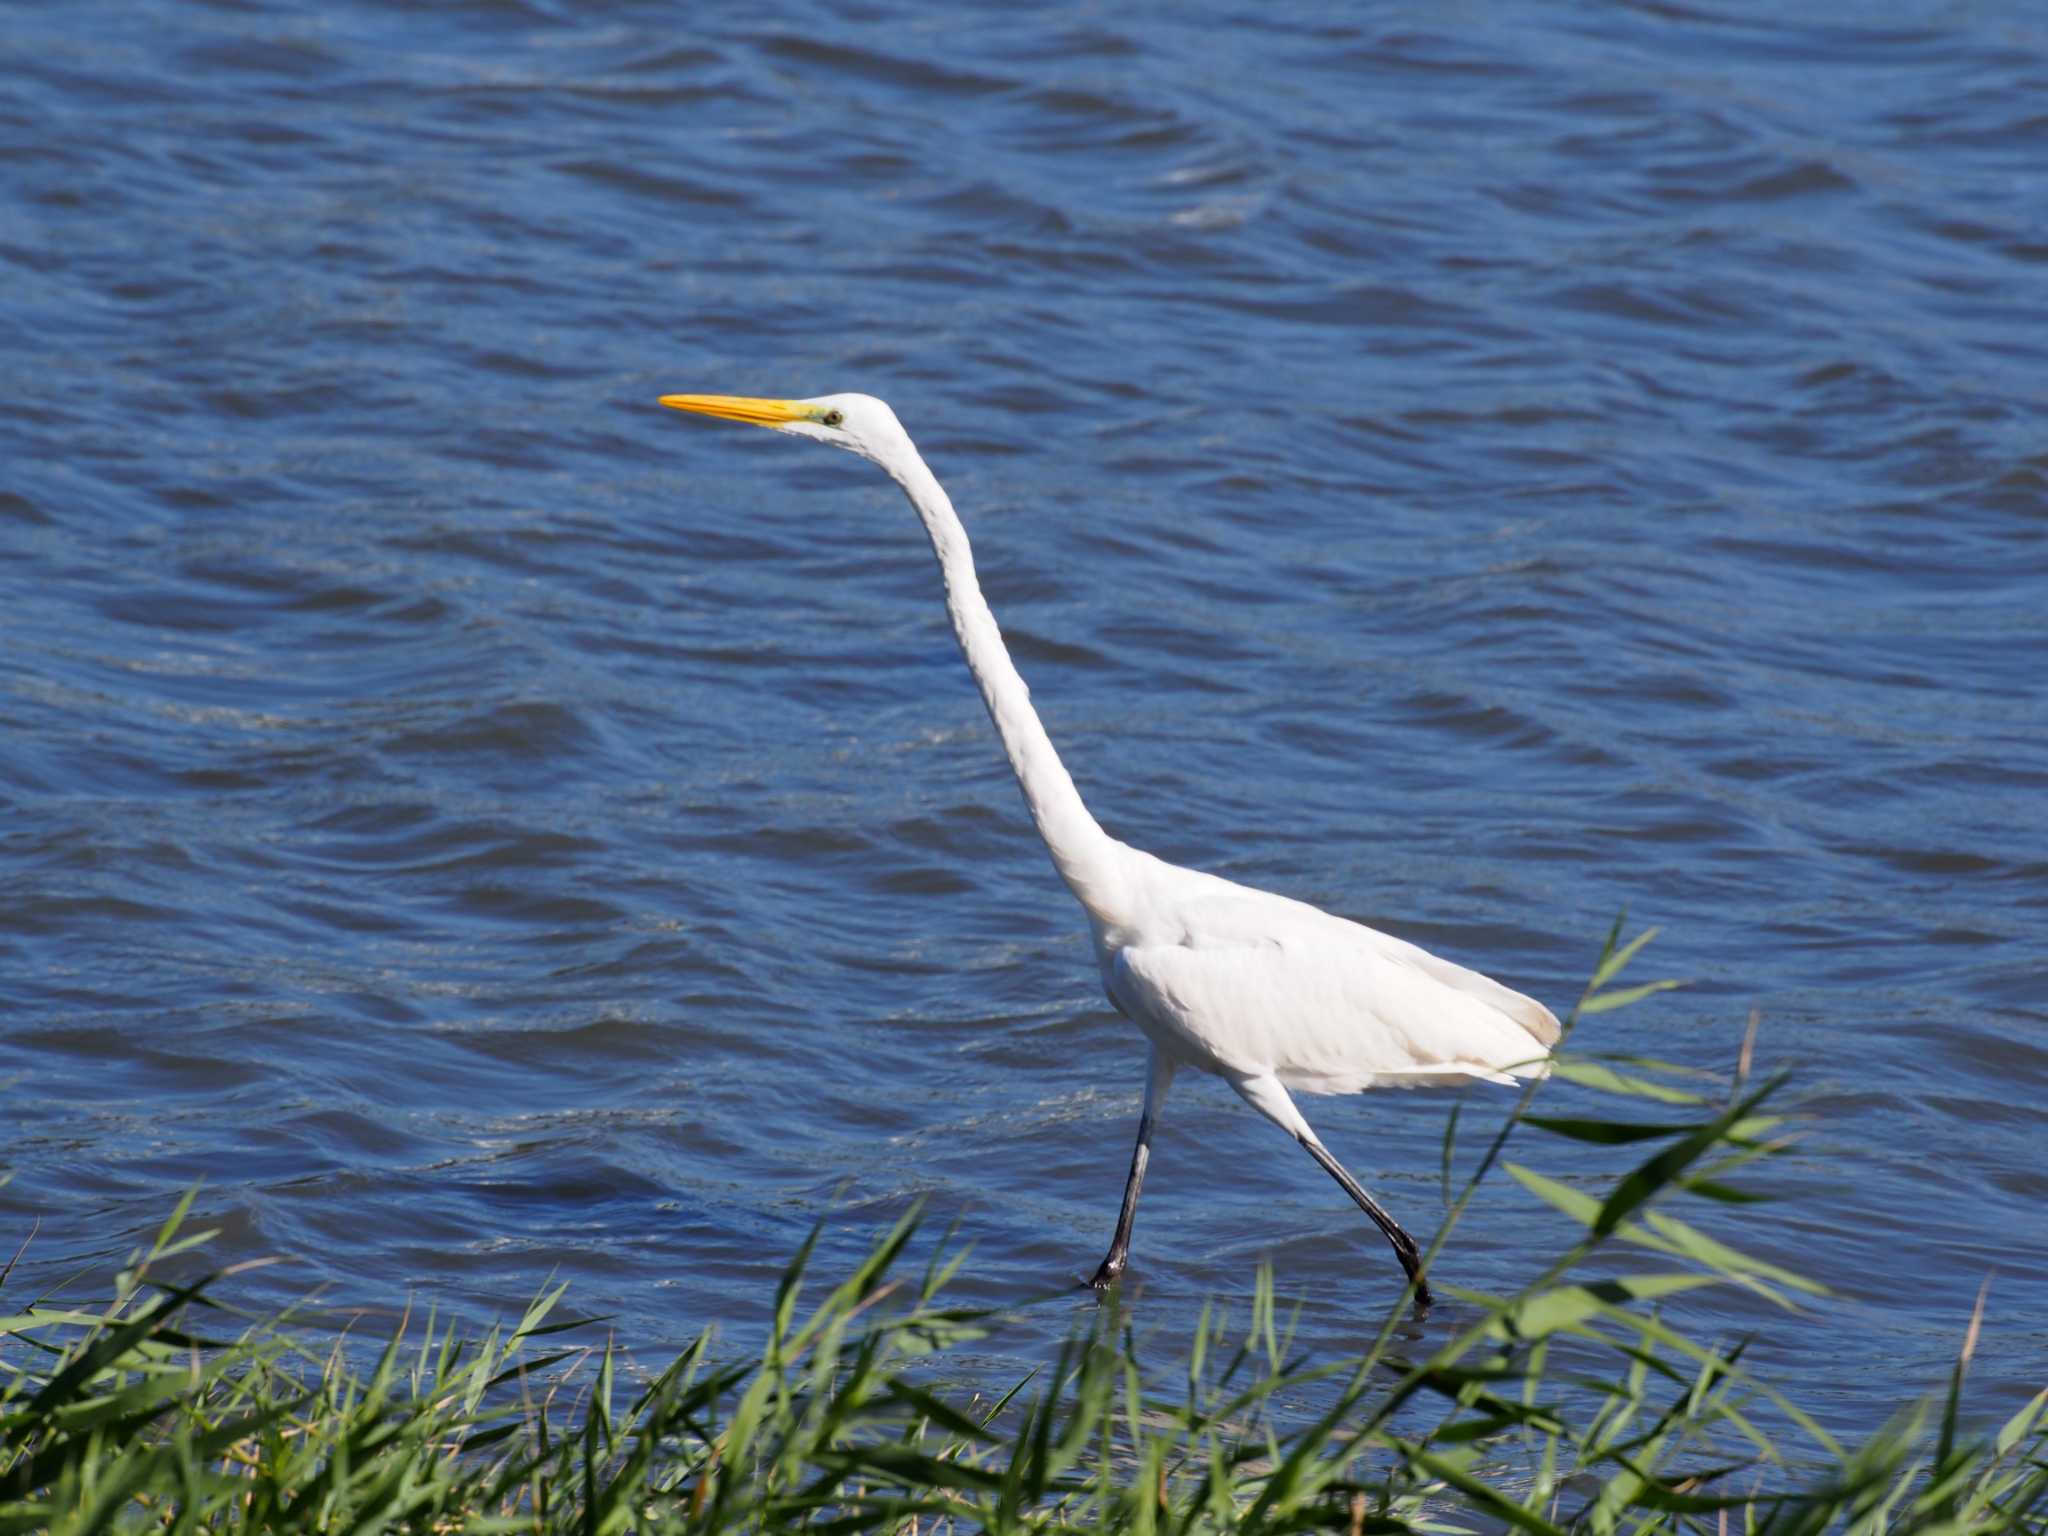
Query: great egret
{"type": "Point", "coordinates": [1265, 992]}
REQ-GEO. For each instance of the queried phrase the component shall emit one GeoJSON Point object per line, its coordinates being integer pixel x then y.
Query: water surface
{"type": "Point", "coordinates": [1476, 470]}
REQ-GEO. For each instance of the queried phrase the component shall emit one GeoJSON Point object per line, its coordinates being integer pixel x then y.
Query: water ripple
{"type": "Point", "coordinates": [1478, 478]}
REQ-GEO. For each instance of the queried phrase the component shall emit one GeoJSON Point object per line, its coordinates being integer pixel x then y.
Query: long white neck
{"type": "Point", "coordinates": [1092, 863]}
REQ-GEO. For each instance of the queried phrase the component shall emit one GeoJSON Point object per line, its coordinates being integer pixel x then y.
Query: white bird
{"type": "Point", "coordinates": [1267, 993]}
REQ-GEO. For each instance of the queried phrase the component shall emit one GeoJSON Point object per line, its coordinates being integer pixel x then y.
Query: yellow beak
{"type": "Point", "coordinates": [762, 413]}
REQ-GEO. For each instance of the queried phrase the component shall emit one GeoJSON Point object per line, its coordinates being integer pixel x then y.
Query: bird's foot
{"type": "Point", "coordinates": [1106, 1274]}
{"type": "Point", "coordinates": [1411, 1265]}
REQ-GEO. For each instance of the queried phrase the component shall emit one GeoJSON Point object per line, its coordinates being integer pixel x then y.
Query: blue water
{"type": "Point", "coordinates": [1476, 469]}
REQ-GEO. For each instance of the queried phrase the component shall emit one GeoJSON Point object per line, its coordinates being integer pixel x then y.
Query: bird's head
{"type": "Point", "coordinates": [858, 423]}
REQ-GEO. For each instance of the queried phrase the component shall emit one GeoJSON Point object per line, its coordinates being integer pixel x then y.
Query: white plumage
{"type": "Point", "coordinates": [1244, 983]}
{"type": "Point", "coordinates": [1268, 993]}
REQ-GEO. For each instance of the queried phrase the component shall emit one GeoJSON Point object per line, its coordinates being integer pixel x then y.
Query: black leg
{"type": "Point", "coordinates": [1158, 1078]}
{"type": "Point", "coordinates": [1120, 1246]}
{"type": "Point", "coordinates": [1266, 1095]}
{"type": "Point", "coordinates": [1404, 1245]}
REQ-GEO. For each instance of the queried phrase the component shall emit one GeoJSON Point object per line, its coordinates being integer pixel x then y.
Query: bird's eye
{"type": "Point", "coordinates": [833, 418]}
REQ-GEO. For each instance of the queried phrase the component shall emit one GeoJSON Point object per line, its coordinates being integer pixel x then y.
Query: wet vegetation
{"type": "Point", "coordinates": [1579, 1404]}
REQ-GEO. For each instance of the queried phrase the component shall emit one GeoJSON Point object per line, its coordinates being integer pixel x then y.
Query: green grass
{"type": "Point", "coordinates": [1575, 1404]}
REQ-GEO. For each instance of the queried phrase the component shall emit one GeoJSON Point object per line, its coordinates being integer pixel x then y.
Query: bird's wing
{"type": "Point", "coordinates": [1538, 1020]}
{"type": "Point", "coordinates": [1257, 985]}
